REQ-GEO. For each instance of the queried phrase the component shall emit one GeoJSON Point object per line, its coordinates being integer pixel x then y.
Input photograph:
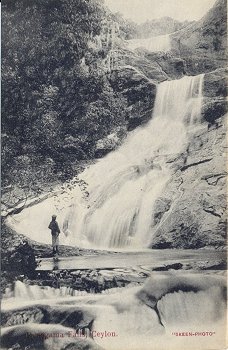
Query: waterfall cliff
{"type": "Point", "coordinates": [121, 203]}
{"type": "Point", "coordinates": [124, 186]}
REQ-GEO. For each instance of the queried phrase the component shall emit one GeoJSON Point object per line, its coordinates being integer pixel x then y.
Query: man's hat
{"type": "Point", "coordinates": [54, 216]}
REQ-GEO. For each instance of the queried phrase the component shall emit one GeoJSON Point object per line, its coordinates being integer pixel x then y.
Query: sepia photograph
{"type": "Point", "coordinates": [114, 175]}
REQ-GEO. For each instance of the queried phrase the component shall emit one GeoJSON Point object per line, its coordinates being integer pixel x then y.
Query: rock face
{"type": "Point", "coordinates": [140, 93]}
{"type": "Point", "coordinates": [203, 44]}
{"type": "Point", "coordinates": [192, 210]}
{"type": "Point", "coordinates": [161, 26]}
{"type": "Point", "coordinates": [215, 92]}
{"type": "Point", "coordinates": [196, 48]}
{"type": "Point", "coordinates": [158, 66]}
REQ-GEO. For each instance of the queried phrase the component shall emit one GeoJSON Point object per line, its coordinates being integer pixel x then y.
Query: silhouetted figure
{"type": "Point", "coordinates": [25, 254]}
{"type": "Point", "coordinates": [55, 231]}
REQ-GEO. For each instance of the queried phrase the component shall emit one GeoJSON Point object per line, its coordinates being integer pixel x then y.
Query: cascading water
{"type": "Point", "coordinates": [25, 292]}
{"type": "Point", "coordinates": [124, 186]}
{"type": "Point", "coordinates": [138, 316]}
{"type": "Point", "coordinates": [22, 292]}
{"type": "Point", "coordinates": [154, 44]}
{"type": "Point", "coordinates": [139, 325]}
{"type": "Point", "coordinates": [121, 203]}
{"type": "Point", "coordinates": [180, 308]}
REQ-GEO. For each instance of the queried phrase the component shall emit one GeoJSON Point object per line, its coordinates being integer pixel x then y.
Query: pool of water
{"type": "Point", "coordinates": [123, 259]}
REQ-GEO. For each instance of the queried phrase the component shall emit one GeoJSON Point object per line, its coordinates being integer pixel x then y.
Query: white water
{"type": "Point", "coordinates": [129, 314]}
{"type": "Point", "coordinates": [22, 292]}
{"type": "Point", "coordinates": [154, 44]}
{"type": "Point", "coordinates": [124, 186]}
{"type": "Point", "coordinates": [138, 327]}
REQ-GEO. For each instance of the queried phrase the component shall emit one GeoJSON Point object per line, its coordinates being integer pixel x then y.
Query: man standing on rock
{"type": "Point", "coordinates": [55, 231]}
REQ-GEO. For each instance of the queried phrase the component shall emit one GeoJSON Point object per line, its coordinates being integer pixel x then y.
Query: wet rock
{"type": "Point", "coordinates": [215, 83]}
{"type": "Point", "coordinates": [41, 337]}
{"type": "Point", "coordinates": [214, 265]}
{"type": "Point", "coordinates": [15, 317]}
{"type": "Point", "coordinates": [162, 284]}
{"type": "Point", "coordinates": [111, 142]}
{"type": "Point", "coordinates": [174, 266]}
{"type": "Point", "coordinates": [162, 205]}
{"type": "Point", "coordinates": [213, 109]}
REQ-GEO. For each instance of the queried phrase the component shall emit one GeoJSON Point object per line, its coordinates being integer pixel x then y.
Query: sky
{"type": "Point", "coordinates": [142, 10]}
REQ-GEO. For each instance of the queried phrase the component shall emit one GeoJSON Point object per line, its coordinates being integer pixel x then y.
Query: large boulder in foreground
{"type": "Point", "coordinates": [183, 300]}
{"type": "Point", "coordinates": [44, 336]}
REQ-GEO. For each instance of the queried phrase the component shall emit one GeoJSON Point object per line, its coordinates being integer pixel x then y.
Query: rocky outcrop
{"type": "Point", "coordinates": [197, 191]}
{"type": "Point", "coordinates": [161, 285]}
{"type": "Point", "coordinates": [140, 92]}
{"type": "Point", "coordinates": [196, 48]}
{"type": "Point", "coordinates": [215, 83]}
{"type": "Point", "coordinates": [203, 44]}
{"type": "Point", "coordinates": [45, 336]}
{"type": "Point", "coordinates": [213, 109]}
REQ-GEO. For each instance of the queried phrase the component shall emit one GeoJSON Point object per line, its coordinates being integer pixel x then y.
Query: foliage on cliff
{"type": "Point", "coordinates": [57, 100]}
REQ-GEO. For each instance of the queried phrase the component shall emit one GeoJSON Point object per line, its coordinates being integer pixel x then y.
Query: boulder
{"type": "Point", "coordinates": [45, 337]}
{"type": "Point", "coordinates": [213, 109]}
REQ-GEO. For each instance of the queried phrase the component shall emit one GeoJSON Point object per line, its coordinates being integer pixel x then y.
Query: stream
{"type": "Point", "coordinates": [150, 257]}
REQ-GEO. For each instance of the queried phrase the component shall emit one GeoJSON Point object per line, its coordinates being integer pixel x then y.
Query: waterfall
{"type": "Point", "coordinates": [180, 309]}
{"type": "Point", "coordinates": [186, 302]}
{"type": "Point", "coordinates": [122, 202]}
{"type": "Point", "coordinates": [124, 186]}
{"type": "Point", "coordinates": [194, 311]}
{"type": "Point", "coordinates": [154, 44]}
{"type": "Point", "coordinates": [24, 292]}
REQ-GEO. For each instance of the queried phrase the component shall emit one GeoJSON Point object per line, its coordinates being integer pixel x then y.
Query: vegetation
{"type": "Point", "coordinates": [57, 100]}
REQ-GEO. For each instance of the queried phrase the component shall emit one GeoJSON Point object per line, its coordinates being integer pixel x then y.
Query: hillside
{"type": "Point", "coordinates": [161, 26]}
{"type": "Point", "coordinates": [91, 90]}
{"type": "Point", "coordinates": [203, 44]}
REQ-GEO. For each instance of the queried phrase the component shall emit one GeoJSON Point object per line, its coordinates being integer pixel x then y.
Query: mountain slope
{"type": "Point", "coordinates": [205, 39]}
